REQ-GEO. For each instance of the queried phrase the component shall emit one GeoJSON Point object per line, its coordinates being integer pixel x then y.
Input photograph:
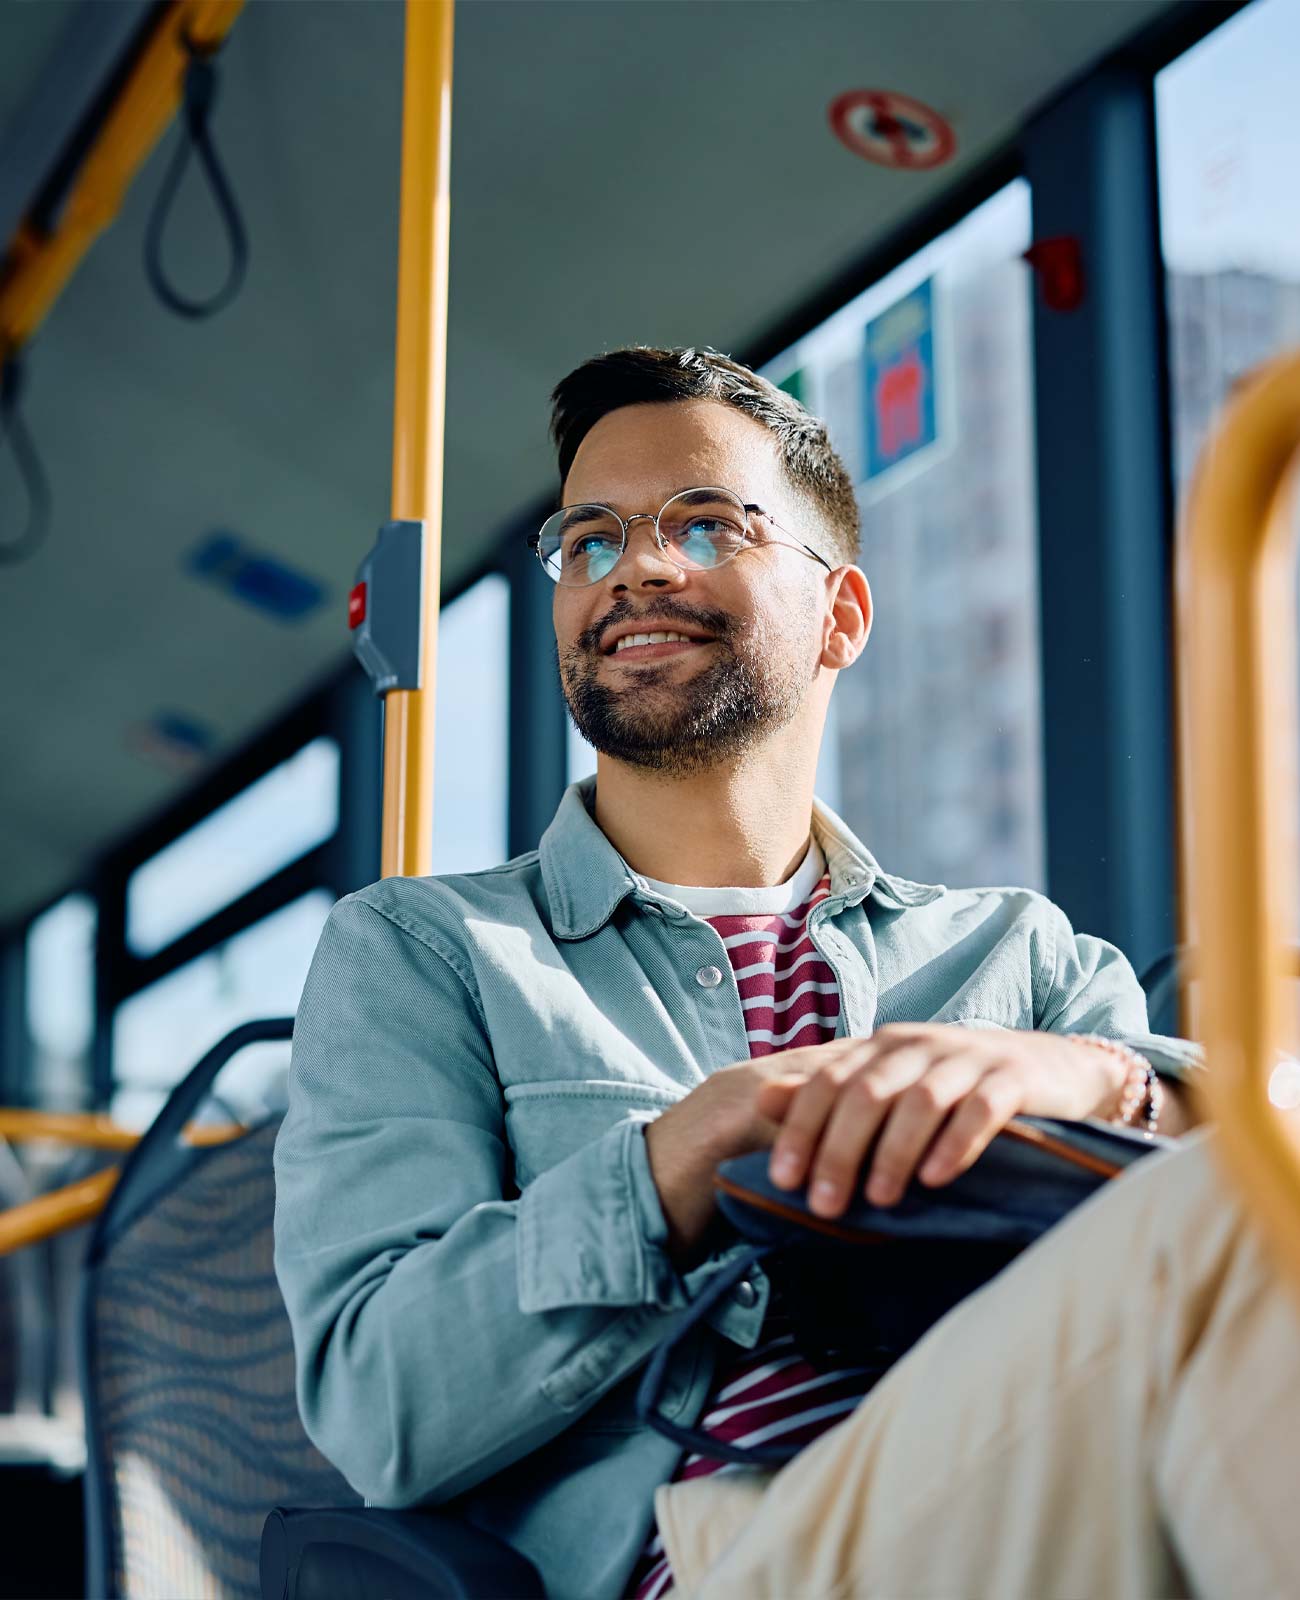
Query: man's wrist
{"type": "Point", "coordinates": [1105, 1101]}
{"type": "Point", "coordinates": [1134, 1098]}
{"type": "Point", "coordinates": [683, 1176]}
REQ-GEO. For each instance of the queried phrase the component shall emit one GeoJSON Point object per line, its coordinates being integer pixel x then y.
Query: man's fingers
{"type": "Point", "coordinates": [775, 1095]}
{"type": "Point", "coordinates": [873, 1087]}
{"type": "Point", "coordinates": [982, 1115]}
{"type": "Point", "coordinates": [801, 1128]}
{"type": "Point", "coordinates": [908, 1128]}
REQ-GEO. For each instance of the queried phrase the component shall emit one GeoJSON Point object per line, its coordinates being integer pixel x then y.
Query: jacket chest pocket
{"type": "Point", "coordinates": [548, 1121]}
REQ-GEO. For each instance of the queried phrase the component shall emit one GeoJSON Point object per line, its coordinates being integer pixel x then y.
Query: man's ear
{"type": "Point", "coordinates": [848, 620]}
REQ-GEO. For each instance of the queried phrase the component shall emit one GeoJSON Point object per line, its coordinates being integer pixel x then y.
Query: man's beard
{"type": "Point", "coordinates": [685, 726]}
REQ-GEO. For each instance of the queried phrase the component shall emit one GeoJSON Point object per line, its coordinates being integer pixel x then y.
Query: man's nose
{"type": "Point", "coordinates": [643, 565]}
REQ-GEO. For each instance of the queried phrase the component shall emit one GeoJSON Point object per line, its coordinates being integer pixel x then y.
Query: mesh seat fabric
{"type": "Point", "coordinates": [194, 1426]}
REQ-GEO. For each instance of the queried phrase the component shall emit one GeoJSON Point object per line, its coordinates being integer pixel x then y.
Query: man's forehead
{"type": "Point", "coordinates": [638, 456]}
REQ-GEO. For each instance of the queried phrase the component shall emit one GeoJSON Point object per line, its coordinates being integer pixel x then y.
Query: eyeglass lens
{"type": "Point", "coordinates": [700, 528]}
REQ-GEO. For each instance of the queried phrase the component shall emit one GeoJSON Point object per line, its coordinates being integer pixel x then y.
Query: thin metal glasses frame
{"type": "Point", "coordinates": [750, 508]}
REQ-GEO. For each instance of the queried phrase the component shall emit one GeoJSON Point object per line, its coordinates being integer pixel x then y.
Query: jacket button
{"type": "Point", "coordinates": [708, 977]}
{"type": "Point", "coordinates": [746, 1294]}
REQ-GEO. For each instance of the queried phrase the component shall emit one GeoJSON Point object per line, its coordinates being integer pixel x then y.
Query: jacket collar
{"type": "Point", "coordinates": [586, 879]}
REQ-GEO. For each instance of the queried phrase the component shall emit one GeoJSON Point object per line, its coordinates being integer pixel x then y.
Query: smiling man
{"type": "Point", "coordinates": [510, 1091]}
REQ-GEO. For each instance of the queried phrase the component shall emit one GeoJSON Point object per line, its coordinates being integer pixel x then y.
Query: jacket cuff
{"type": "Point", "coordinates": [591, 1231]}
{"type": "Point", "coordinates": [1177, 1059]}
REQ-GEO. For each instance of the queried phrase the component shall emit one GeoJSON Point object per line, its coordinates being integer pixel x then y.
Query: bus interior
{"type": "Point", "coordinates": [274, 276]}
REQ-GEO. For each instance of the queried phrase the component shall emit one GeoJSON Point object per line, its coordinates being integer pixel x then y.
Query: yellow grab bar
{"type": "Point", "coordinates": [1239, 785]}
{"type": "Point", "coordinates": [419, 411]}
{"type": "Point", "coordinates": [78, 1202]}
{"type": "Point", "coordinates": [55, 1212]}
{"type": "Point", "coordinates": [40, 264]}
{"type": "Point", "coordinates": [93, 1131]}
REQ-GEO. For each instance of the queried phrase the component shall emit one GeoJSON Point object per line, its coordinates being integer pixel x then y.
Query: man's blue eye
{"type": "Point", "coordinates": [588, 544]}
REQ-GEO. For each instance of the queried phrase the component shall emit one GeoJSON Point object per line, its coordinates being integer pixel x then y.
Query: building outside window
{"type": "Point", "coordinates": [1228, 150]}
{"type": "Point", "coordinates": [925, 382]}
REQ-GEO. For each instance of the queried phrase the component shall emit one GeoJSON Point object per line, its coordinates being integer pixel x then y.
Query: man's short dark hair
{"type": "Point", "coordinates": [642, 374]}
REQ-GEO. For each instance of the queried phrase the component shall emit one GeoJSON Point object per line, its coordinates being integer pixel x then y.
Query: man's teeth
{"type": "Point", "coordinates": [630, 639]}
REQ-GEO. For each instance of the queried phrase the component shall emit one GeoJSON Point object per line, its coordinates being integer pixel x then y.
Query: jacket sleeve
{"type": "Point", "coordinates": [444, 1326]}
{"type": "Point", "coordinates": [1086, 985]}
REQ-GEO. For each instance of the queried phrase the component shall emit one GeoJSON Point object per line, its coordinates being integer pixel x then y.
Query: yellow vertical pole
{"type": "Point", "coordinates": [1240, 777]}
{"type": "Point", "coordinates": [419, 416]}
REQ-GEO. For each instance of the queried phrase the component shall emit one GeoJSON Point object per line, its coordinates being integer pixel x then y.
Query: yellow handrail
{"type": "Point", "coordinates": [57, 1211]}
{"type": "Point", "coordinates": [78, 1202]}
{"type": "Point", "coordinates": [419, 412]}
{"type": "Point", "coordinates": [91, 1130]}
{"type": "Point", "coordinates": [39, 264]}
{"type": "Point", "coordinates": [1240, 787]}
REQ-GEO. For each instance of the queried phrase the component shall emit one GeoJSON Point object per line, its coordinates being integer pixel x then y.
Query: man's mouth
{"type": "Point", "coordinates": [654, 646]}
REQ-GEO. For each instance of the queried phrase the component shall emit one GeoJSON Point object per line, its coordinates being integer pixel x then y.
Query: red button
{"type": "Point", "coordinates": [357, 606]}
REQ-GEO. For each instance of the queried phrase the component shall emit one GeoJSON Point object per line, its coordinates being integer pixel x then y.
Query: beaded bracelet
{"type": "Point", "coordinates": [1142, 1094]}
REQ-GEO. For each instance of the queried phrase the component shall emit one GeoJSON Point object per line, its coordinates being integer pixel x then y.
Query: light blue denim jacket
{"type": "Point", "coordinates": [467, 1235]}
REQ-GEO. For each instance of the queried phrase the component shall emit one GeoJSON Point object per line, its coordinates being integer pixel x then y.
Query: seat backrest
{"type": "Point", "coordinates": [193, 1431]}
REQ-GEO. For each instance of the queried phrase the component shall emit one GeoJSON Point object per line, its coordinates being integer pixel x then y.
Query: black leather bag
{"type": "Point", "coordinates": [862, 1288]}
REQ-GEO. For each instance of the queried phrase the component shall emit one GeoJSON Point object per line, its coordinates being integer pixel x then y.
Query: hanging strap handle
{"type": "Point", "coordinates": [14, 430]}
{"type": "Point", "coordinates": [200, 95]}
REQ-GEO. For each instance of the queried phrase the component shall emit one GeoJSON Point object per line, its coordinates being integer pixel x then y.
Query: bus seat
{"type": "Point", "coordinates": [1160, 983]}
{"type": "Point", "coordinates": [187, 1363]}
{"type": "Point", "coordinates": [192, 1425]}
{"type": "Point", "coordinates": [401, 1555]}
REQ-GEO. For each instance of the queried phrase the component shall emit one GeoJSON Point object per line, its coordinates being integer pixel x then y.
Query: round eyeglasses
{"type": "Point", "coordinates": [698, 529]}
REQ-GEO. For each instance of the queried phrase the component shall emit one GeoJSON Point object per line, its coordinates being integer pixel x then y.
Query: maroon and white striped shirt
{"type": "Point", "coordinates": [790, 998]}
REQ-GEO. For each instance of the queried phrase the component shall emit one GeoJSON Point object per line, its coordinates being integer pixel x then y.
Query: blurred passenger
{"type": "Point", "coordinates": [510, 1090]}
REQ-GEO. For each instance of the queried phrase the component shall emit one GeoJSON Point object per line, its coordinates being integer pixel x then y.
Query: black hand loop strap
{"type": "Point", "coordinates": [14, 430]}
{"type": "Point", "coordinates": [200, 96]}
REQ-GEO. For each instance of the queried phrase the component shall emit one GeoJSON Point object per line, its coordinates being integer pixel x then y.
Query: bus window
{"type": "Point", "coordinates": [469, 772]}
{"type": "Point", "coordinates": [278, 818]}
{"type": "Point", "coordinates": [925, 382]}
{"type": "Point", "coordinates": [1228, 148]}
{"type": "Point", "coordinates": [61, 1003]}
{"type": "Point", "coordinates": [161, 1032]}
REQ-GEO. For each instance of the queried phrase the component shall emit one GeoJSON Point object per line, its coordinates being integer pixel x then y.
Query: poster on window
{"type": "Point", "coordinates": [901, 403]}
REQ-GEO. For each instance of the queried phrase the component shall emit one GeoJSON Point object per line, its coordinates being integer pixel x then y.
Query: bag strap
{"type": "Point", "coordinates": [647, 1400]}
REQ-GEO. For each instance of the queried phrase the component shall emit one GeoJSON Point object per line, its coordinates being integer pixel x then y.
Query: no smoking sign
{"type": "Point", "coordinates": [891, 129]}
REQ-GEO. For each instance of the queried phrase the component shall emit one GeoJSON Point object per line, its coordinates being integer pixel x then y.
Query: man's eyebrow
{"type": "Point", "coordinates": [589, 510]}
{"type": "Point", "coordinates": [698, 493]}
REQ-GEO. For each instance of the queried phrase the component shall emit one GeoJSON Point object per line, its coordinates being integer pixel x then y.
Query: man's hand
{"type": "Point", "coordinates": [926, 1095]}
{"type": "Point", "coordinates": [718, 1119]}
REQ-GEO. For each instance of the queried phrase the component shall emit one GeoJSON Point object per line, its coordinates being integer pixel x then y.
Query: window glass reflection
{"type": "Point", "coordinates": [281, 816]}
{"type": "Point", "coordinates": [1228, 150]}
{"type": "Point", "coordinates": [160, 1033]}
{"type": "Point", "coordinates": [61, 1002]}
{"type": "Point", "coordinates": [470, 765]}
{"type": "Point", "coordinates": [925, 382]}
{"type": "Point", "coordinates": [1228, 147]}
